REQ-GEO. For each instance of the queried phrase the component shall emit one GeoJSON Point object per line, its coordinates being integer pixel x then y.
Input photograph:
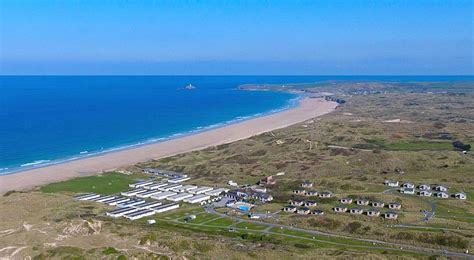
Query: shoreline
{"type": "Point", "coordinates": [307, 108]}
{"type": "Point", "coordinates": [292, 103]}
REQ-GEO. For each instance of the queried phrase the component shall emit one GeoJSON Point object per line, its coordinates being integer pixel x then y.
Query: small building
{"type": "Point", "coordinates": [269, 180]}
{"type": "Point", "coordinates": [325, 194]}
{"type": "Point", "coordinates": [362, 202]}
{"type": "Point", "coordinates": [200, 190]}
{"type": "Point", "coordinates": [303, 211]}
{"type": "Point", "coordinates": [299, 191]}
{"type": "Point", "coordinates": [148, 194]}
{"type": "Point", "coordinates": [317, 212]}
{"type": "Point", "coordinates": [424, 187]}
{"type": "Point", "coordinates": [346, 200]}
{"type": "Point", "coordinates": [425, 193]}
{"type": "Point", "coordinates": [340, 209]}
{"type": "Point", "coordinates": [155, 186]}
{"type": "Point", "coordinates": [441, 188]}
{"type": "Point", "coordinates": [179, 197]}
{"type": "Point", "coordinates": [310, 203]}
{"type": "Point", "coordinates": [132, 193]}
{"type": "Point", "coordinates": [149, 204]}
{"type": "Point", "coordinates": [179, 179]}
{"type": "Point", "coordinates": [460, 196]}
{"type": "Point", "coordinates": [120, 212]}
{"type": "Point", "coordinates": [165, 207]}
{"type": "Point", "coordinates": [117, 201]}
{"type": "Point", "coordinates": [296, 202]}
{"type": "Point", "coordinates": [391, 183]}
{"type": "Point", "coordinates": [307, 184]}
{"type": "Point", "coordinates": [407, 190]}
{"type": "Point", "coordinates": [378, 204]}
{"type": "Point", "coordinates": [311, 193]}
{"type": "Point", "coordinates": [394, 205]}
{"type": "Point", "coordinates": [140, 184]}
{"type": "Point", "coordinates": [170, 187]}
{"type": "Point", "coordinates": [197, 198]}
{"type": "Point", "coordinates": [163, 195]}
{"type": "Point", "coordinates": [131, 203]}
{"type": "Point", "coordinates": [408, 185]}
{"type": "Point", "coordinates": [259, 188]}
{"type": "Point", "coordinates": [87, 196]}
{"type": "Point", "coordinates": [289, 208]}
{"type": "Point", "coordinates": [390, 215]}
{"type": "Point", "coordinates": [216, 192]}
{"type": "Point", "coordinates": [139, 214]}
{"type": "Point", "coordinates": [232, 183]}
{"type": "Point", "coordinates": [356, 211]}
{"type": "Point", "coordinates": [441, 194]}
{"type": "Point", "coordinates": [373, 213]}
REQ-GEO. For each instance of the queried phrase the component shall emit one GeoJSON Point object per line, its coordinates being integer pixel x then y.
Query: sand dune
{"type": "Point", "coordinates": [308, 108]}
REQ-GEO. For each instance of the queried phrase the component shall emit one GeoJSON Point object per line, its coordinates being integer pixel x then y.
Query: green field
{"type": "Point", "coordinates": [107, 183]}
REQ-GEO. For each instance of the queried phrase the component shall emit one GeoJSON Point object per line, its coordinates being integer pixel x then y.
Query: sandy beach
{"type": "Point", "coordinates": [308, 108]}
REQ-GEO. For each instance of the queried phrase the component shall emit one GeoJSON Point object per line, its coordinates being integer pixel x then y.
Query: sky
{"type": "Point", "coordinates": [333, 37]}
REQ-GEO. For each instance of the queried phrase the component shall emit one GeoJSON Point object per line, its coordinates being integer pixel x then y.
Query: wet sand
{"type": "Point", "coordinates": [308, 108]}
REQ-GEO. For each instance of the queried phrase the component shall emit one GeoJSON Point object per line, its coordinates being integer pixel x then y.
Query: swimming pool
{"type": "Point", "coordinates": [244, 207]}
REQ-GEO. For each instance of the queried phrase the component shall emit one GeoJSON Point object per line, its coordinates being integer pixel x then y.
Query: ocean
{"type": "Point", "coordinates": [49, 119]}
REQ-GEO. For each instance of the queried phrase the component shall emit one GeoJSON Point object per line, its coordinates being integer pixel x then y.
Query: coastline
{"type": "Point", "coordinates": [306, 109]}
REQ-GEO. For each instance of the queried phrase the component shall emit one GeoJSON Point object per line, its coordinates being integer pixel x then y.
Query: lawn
{"type": "Point", "coordinates": [251, 226]}
{"type": "Point", "coordinates": [224, 222]}
{"type": "Point", "coordinates": [416, 146]}
{"type": "Point", "coordinates": [108, 183]}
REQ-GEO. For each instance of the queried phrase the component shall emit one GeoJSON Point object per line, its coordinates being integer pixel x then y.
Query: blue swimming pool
{"type": "Point", "coordinates": [244, 207]}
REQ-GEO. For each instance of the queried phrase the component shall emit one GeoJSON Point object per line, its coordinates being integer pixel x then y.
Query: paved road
{"type": "Point", "coordinates": [399, 247]}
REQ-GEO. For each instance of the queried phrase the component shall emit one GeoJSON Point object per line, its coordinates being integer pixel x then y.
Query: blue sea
{"type": "Point", "coordinates": [49, 119]}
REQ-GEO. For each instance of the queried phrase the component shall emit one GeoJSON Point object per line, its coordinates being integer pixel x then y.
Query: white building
{"type": "Point", "coordinates": [460, 196]}
{"type": "Point", "coordinates": [408, 185]}
{"type": "Point", "coordinates": [140, 184]}
{"type": "Point", "coordinates": [201, 190]}
{"type": "Point", "coordinates": [105, 199]}
{"type": "Point", "coordinates": [163, 195]}
{"type": "Point", "coordinates": [407, 191]}
{"type": "Point", "coordinates": [441, 194]}
{"type": "Point", "coordinates": [425, 193]}
{"type": "Point", "coordinates": [87, 196]}
{"type": "Point", "coordinates": [179, 197]}
{"type": "Point", "coordinates": [117, 201]}
{"type": "Point", "coordinates": [155, 186]}
{"type": "Point", "coordinates": [149, 205]}
{"type": "Point", "coordinates": [216, 192]}
{"type": "Point", "coordinates": [139, 214]}
{"type": "Point", "coordinates": [170, 187]}
{"type": "Point", "coordinates": [391, 183]}
{"type": "Point", "coordinates": [424, 187]}
{"type": "Point", "coordinates": [131, 203]}
{"type": "Point", "coordinates": [179, 179]}
{"type": "Point", "coordinates": [132, 193]}
{"type": "Point", "coordinates": [197, 198]}
{"type": "Point", "coordinates": [148, 194]}
{"type": "Point", "coordinates": [441, 188]}
{"type": "Point", "coordinates": [165, 207]}
{"type": "Point", "coordinates": [120, 212]}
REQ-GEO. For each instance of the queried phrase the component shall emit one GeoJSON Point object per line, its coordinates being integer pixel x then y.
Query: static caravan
{"type": "Point", "coordinates": [189, 187]}
{"type": "Point", "coordinates": [155, 186]}
{"type": "Point", "coordinates": [148, 194]}
{"type": "Point", "coordinates": [99, 198]}
{"type": "Point", "coordinates": [179, 197]}
{"type": "Point", "coordinates": [140, 214]}
{"type": "Point", "coordinates": [169, 187]}
{"type": "Point", "coordinates": [120, 212]}
{"type": "Point", "coordinates": [131, 203]}
{"type": "Point", "coordinates": [216, 192]}
{"type": "Point", "coordinates": [87, 196]}
{"type": "Point", "coordinates": [165, 207]}
{"type": "Point", "coordinates": [106, 198]}
{"type": "Point", "coordinates": [201, 190]}
{"type": "Point", "coordinates": [149, 205]}
{"type": "Point", "coordinates": [140, 184]}
{"type": "Point", "coordinates": [163, 195]}
{"type": "Point", "coordinates": [179, 179]}
{"type": "Point", "coordinates": [197, 198]}
{"type": "Point", "coordinates": [132, 193]}
{"type": "Point", "coordinates": [117, 201]}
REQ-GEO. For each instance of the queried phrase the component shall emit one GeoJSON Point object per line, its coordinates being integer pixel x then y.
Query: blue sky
{"type": "Point", "coordinates": [236, 37]}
